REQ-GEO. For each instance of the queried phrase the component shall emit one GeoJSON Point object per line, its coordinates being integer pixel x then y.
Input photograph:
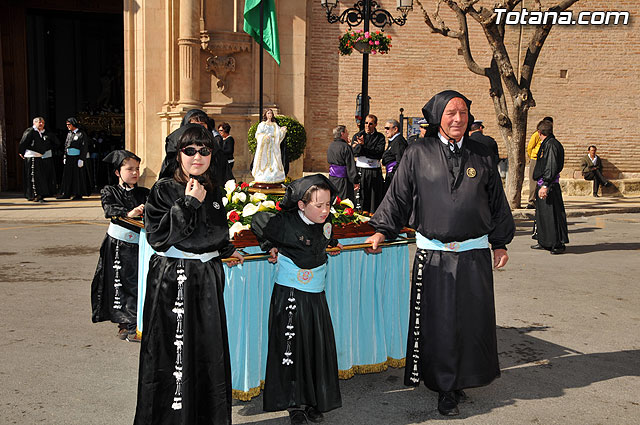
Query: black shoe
{"type": "Point", "coordinates": [531, 207]}
{"type": "Point", "coordinates": [558, 250]}
{"type": "Point", "coordinates": [63, 197]}
{"type": "Point", "coordinates": [537, 246]}
{"type": "Point", "coordinates": [313, 414]}
{"type": "Point", "coordinates": [595, 195]}
{"type": "Point", "coordinates": [77, 198]}
{"type": "Point", "coordinates": [298, 417]}
{"type": "Point", "coordinates": [607, 184]}
{"type": "Point", "coordinates": [461, 396]}
{"type": "Point", "coordinates": [448, 404]}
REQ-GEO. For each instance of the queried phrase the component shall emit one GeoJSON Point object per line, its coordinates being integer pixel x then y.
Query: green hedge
{"type": "Point", "coordinates": [296, 138]}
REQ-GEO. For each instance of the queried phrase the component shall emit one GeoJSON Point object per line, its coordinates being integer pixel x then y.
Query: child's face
{"type": "Point", "coordinates": [317, 210]}
{"type": "Point", "coordinates": [197, 164]}
{"type": "Point", "coordinates": [130, 171]}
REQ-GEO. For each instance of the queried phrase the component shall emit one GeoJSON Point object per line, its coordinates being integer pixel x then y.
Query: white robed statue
{"type": "Point", "coordinates": [267, 162]}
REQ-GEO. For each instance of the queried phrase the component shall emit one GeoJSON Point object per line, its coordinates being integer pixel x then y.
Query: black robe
{"type": "Point", "coordinates": [340, 153]}
{"type": "Point", "coordinates": [228, 146]}
{"type": "Point", "coordinates": [38, 174]}
{"type": "Point", "coordinates": [75, 179]}
{"type": "Point", "coordinates": [371, 181]}
{"type": "Point", "coordinates": [551, 219]}
{"type": "Point", "coordinates": [452, 330]}
{"type": "Point", "coordinates": [312, 378]}
{"type": "Point", "coordinates": [185, 371]}
{"type": "Point", "coordinates": [114, 290]}
{"type": "Point", "coordinates": [393, 154]}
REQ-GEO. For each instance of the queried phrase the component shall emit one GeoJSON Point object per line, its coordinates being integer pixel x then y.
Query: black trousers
{"type": "Point", "coordinates": [598, 180]}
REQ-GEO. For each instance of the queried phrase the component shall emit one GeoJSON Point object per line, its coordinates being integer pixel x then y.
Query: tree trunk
{"type": "Point", "coordinates": [516, 154]}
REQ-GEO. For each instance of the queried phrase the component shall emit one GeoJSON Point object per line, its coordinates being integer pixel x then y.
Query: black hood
{"type": "Point", "coordinates": [434, 109]}
{"type": "Point", "coordinates": [297, 189]}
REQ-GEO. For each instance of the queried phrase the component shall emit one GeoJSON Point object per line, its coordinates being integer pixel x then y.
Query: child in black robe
{"type": "Point", "coordinates": [114, 290]}
{"type": "Point", "coordinates": [302, 364]}
{"type": "Point", "coordinates": [185, 368]}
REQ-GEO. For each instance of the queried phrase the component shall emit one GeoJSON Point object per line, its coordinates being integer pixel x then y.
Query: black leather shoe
{"type": "Point", "coordinates": [63, 197]}
{"type": "Point", "coordinates": [447, 404]}
{"type": "Point", "coordinates": [297, 417]}
{"type": "Point", "coordinates": [595, 195]}
{"type": "Point", "coordinates": [461, 396]}
{"type": "Point", "coordinates": [537, 246]}
{"type": "Point", "coordinates": [313, 414]}
{"type": "Point", "coordinates": [531, 207]}
{"type": "Point", "coordinates": [77, 198]}
{"type": "Point", "coordinates": [558, 250]}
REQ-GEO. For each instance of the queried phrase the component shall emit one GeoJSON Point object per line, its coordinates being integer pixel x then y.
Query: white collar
{"type": "Point", "coordinates": [394, 136]}
{"type": "Point", "coordinates": [304, 218]}
{"type": "Point", "coordinates": [36, 129]}
{"type": "Point", "coordinates": [75, 131]}
{"type": "Point", "coordinates": [126, 188]}
{"type": "Point", "coordinates": [446, 141]}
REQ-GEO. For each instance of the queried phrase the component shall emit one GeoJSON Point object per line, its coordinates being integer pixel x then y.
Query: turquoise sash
{"type": "Point", "coordinates": [174, 252]}
{"type": "Point", "coordinates": [435, 245]}
{"type": "Point", "coordinates": [122, 234]}
{"type": "Point", "coordinates": [307, 280]}
{"type": "Point", "coordinates": [73, 151]}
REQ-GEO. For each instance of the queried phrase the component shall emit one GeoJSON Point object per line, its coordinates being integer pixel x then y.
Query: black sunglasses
{"type": "Point", "coordinates": [193, 151]}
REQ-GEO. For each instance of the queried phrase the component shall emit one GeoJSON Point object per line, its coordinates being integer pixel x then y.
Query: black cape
{"type": "Point", "coordinates": [312, 378]}
{"type": "Point", "coordinates": [452, 337]}
{"type": "Point", "coordinates": [110, 301]}
{"type": "Point", "coordinates": [551, 219]}
{"type": "Point", "coordinates": [340, 153]}
{"type": "Point", "coordinates": [371, 181]}
{"type": "Point", "coordinates": [185, 368]}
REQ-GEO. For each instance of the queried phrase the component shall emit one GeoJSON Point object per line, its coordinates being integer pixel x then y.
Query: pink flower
{"type": "Point", "coordinates": [358, 31]}
{"type": "Point", "coordinates": [371, 43]}
{"type": "Point", "coordinates": [373, 52]}
{"type": "Point", "coordinates": [377, 43]}
{"type": "Point", "coordinates": [366, 34]}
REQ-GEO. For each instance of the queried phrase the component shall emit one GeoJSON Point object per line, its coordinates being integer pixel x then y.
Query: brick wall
{"type": "Point", "coordinates": [597, 102]}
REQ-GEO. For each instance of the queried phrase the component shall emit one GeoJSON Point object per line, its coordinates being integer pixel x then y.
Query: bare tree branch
{"type": "Point", "coordinates": [442, 29]}
{"type": "Point", "coordinates": [464, 37]}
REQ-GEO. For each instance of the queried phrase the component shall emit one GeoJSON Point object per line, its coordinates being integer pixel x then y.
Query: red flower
{"type": "Point", "coordinates": [338, 200]}
{"type": "Point", "coordinates": [278, 207]}
{"type": "Point", "coordinates": [348, 211]}
{"type": "Point", "coordinates": [244, 185]}
{"type": "Point", "coordinates": [377, 32]}
{"type": "Point", "coordinates": [234, 216]}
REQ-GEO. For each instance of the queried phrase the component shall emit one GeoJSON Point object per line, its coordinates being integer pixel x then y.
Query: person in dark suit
{"type": "Point", "coordinates": [592, 170]}
{"type": "Point", "coordinates": [477, 134]}
{"type": "Point", "coordinates": [392, 156]}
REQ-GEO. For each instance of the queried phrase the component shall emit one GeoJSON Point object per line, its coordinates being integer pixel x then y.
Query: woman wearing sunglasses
{"type": "Point", "coordinates": [185, 374]}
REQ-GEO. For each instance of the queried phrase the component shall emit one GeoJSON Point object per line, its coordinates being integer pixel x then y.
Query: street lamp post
{"type": "Point", "coordinates": [367, 11]}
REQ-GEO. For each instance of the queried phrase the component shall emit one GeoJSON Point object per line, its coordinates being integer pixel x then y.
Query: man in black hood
{"type": "Point", "coordinates": [447, 187]}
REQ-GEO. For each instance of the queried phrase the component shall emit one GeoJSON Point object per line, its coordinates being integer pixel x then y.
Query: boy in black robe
{"type": "Point", "coordinates": [39, 175]}
{"type": "Point", "coordinates": [343, 173]}
{"type": "Point", "coordinates": [448, 188]}
{"type": "Point", "coordinates": [302, 363]}
{"type": "Point", "coordinates": [551, 220]}
{"type": "Point", "coordinates": [114, 290]}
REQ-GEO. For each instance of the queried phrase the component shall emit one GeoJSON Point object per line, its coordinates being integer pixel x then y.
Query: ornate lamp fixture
{"type": "Point", "coordinates": [362, 9]}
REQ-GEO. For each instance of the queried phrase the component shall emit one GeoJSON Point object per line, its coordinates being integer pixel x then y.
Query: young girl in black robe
{"type": "Point", "coordinates": [114, 290]}
{"type": "Point", "coordinates": [185, 372]}
{"type": "Point", "coordinates": [302, 364]}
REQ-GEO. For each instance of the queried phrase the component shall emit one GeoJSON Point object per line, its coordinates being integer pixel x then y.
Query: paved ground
{"type": "Point", "coordinates": [568, 329]}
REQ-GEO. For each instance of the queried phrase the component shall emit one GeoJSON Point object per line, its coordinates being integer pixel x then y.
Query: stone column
{"type": "Point", "coordinates": [189, 46]}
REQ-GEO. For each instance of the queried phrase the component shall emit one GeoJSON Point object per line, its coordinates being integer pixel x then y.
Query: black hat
{"type": "Point", "coordinates": [296, 190]}
{"type": "Point", "coordinates": [434, 109]}
{"type": "Point", "coordinates": [116, 158]}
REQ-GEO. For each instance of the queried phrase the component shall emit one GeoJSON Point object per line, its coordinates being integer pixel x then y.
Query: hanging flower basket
{"type": "Point", "coordinates": [365, 42]}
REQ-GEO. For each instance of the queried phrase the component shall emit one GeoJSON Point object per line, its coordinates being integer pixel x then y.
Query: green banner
{"type": "Point", "coordinates": [252, 25]}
